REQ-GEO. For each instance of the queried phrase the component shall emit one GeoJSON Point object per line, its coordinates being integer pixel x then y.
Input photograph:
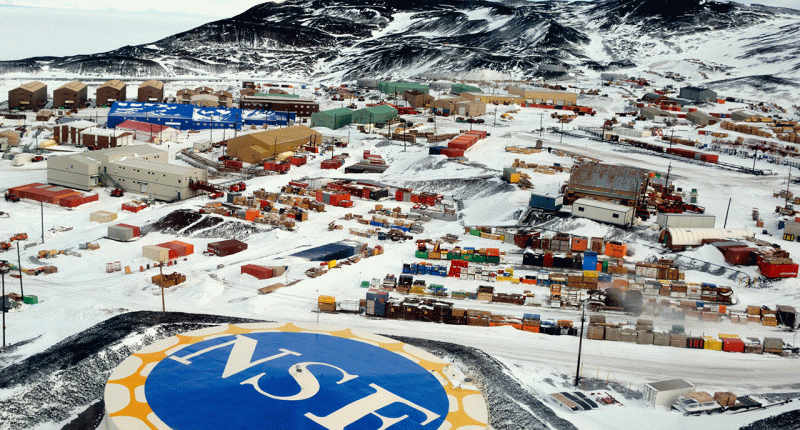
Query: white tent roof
{"type": "Point", "coordinates": [695, 236]}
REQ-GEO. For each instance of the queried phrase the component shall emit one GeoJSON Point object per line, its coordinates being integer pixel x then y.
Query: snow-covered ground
{"type": "Point", "coordinates": [82, 294]}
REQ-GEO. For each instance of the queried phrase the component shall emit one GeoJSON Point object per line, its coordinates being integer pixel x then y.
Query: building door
{"type": "Point", "coordinates": [462, 110]}
{"type": "Point", "coordinates": [143, 187]}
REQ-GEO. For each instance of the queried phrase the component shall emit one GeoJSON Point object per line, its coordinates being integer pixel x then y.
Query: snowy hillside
{"type": "Point", "coordinates": [354, 38]}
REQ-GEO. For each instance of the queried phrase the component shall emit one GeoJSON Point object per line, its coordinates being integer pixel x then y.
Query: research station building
{"type": "Point", "coordinates": [136, 168]}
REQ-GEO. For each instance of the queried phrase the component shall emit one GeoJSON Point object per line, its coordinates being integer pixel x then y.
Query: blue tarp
{"type": "Point", "coordinates": [188, 117]}
{"type": "Point", "coordinates": [331, 251]}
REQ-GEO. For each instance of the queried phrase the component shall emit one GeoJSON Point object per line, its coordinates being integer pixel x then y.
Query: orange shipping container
{"type": "Point", "coordinates": [616, 250]}
{"type": "Point", "coordinates": [579, 244]}
{"type": "Point", "coordinates": [492, 252]}
{"type": "Point", "coordinates": [251, 214]}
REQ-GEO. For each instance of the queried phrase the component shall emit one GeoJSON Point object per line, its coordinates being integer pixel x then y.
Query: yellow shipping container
{"type": "Point", "coordinates": [590, 273]}
{"type": "Point", "coordinates": [331, 264]}
{"type": "Point", "coordinates": [728, 336]}
{"type": "Point", "coordinates": [712, 344]}
{"type": "Point", "coordinates": [514, 178]}
{"type": "Point", "coordinates": [326, 299]}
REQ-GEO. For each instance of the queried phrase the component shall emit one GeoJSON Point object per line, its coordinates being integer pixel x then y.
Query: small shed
{"type": "Point", "coordinates": [180, 249]}
{"type": "Point", "coordinates": [226, 247]}
{"type": "Point", "coordinates": [155, 253]}
{"type": "Point", "coordinates": [663, 394]}
{"type": "Point", "coordinates": [102, 216]}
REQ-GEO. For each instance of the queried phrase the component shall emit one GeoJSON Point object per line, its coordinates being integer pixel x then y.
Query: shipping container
{"type": "Point", "coordinates": [546, 202]}
{"type": "Point", "coordinates": [102, 216]}
{"type": "Point", "coordinates": [226, 247]}
{"type": "Point", "coordinates": [259, 272]}
{"type": "Point", "coordinates": [181, 249]}
{"type": "Point", "coordinates": [155, 253]}
{"type": "Point", "coordinates": [685, 220]}
{"type": "Point", "coordinates": [123, 232]}
{"type": "Point", "coordinates": [732, 345]}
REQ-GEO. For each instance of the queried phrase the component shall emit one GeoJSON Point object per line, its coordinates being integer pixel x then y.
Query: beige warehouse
{"type": "Point", "coordinates": [547, 96]}
{"type": "Point", "coordinates": [255, 147]}
{"type": "Point", "coordinates": [501, 99]}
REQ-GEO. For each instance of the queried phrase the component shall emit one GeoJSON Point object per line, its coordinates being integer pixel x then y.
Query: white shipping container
{"type": "Point", "coordinates": [686, 220]}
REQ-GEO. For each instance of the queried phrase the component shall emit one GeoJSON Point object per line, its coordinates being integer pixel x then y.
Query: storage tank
{"type": "Point", "coordinates": [283, 156]}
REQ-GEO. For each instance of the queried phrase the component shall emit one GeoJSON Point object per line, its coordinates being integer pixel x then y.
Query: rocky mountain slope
{"type": "Point", "coordinates": [353, 38]}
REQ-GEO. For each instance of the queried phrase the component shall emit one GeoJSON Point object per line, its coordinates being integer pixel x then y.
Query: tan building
{"type": "Point", "coordinates": [70, 132]}
{"type": "Point", "coordinates": [417, 98]}
{"type": "Point", "coordinates": [32, 95]}
{"type": "Point", "coordinates": [70, 96]}
{"type": "Point", "coordinates": [545, 96]}
{"type": "Point", "coordinates": [136, 168]}
{"type": "Point", "coordinates": [459, 106]}
{"type": "Point", "coordinates": [110, 92]}
{"type": "Point", "coordinates": [501, 99]}
{"type": "Point", "coordinates": [255, 147]}
{"type": "Point", "coordinates": [151, 91]}
{"type": "Point", "coordinates": [184, 96]}
{"type": "Point", "coordinates": [11, 135]}
{"type": "Point", "coordinates": [205, 100]}
{"type": "Point", "coordinates": [224, 99]}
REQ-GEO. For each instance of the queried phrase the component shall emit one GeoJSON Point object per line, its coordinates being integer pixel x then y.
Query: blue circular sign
{"type": "Point", "coordinates": [283, 380]}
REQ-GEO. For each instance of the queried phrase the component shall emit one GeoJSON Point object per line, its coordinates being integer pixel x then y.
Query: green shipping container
{"type": "Point", "coordinates": [421, 254]}
{"type": "Point", "coordinates": [494, 260]}
{"type": "Point", "coordinates": [453, 256]}
{"type": "Point", "coordinates": [605, 266]}
{"type": "Point", "coordinates": [364, 284]}
{"type": "Point", "coordinates": [478, 258]}
{"type": "Point", "coordinates": [30, 300]}
{"type": "Point", "coordinates": [475, 232]}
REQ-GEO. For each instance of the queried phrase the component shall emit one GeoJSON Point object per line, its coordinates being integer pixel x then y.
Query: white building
{"type": "Point", "coordinates": [146, 132]}
{"type": "Point", "coordinates": [664, 393]}
{"type": "Point", "coordinates": [136, 168]}
{"type": "Point", "coordinates": [611, 213]}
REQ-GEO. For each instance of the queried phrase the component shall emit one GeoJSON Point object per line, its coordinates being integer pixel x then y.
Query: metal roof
{"type": "Point", "coordinates": [114, 83]}
{"type": "Point", "coordinates": [152, 83]}
{"type": "Point", "coordinates": [607, 180]}
{"type": "Point", "coordinates": [334, 112]}
{"type": "Point", "coordinates": [672, 384]}
{"type": "Point", "coordinates": [603, 205]}
{"type": "Point", "coordinates": [33, 86]}
{"type": "Point", "coordinates": [74, 86]}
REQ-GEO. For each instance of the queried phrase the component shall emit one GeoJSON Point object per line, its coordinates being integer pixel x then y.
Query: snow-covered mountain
{"type": "Point", "coordinates": [354, 38]}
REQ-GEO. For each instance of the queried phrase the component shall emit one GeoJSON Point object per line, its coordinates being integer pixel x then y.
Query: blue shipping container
{"type": "Point", "coordinates": [547, 202]}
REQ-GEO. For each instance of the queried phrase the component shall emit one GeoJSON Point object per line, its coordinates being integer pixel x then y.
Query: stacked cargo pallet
{"type": "Point", "coordinates": [746, 129]}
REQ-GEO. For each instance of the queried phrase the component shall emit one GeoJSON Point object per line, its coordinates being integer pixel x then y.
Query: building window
{"type": "Point", "coordinates": [615, 215]}
{"type": "Point", "coordinates": [580, 208]}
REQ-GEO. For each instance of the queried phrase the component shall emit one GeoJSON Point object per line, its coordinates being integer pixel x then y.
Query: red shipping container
{"type": "Point", "coordinates": [710, 158]}
{"type": "Point", "coordinates": [332, 164]}
{"type": "Point", "coordinates": [740, 256]}
{"type": "Point", "coordinates": [298, 184]}
{"type": "Point", "coordinates": [258, 272]}
{"type": "Point", "coordinates": [777, 270]}
{"type": "Point", "coordinates": [414, 198]}
{"type": "Point", "coordinates": [232, 164]}
{"type": "Point", "coordinates": [547, 261]}
{"type": "Point", "coordinates": [398, 195]}
{"type": "Point", "coordinates": [174, 250]}
{"type": "Point", "coordinates": [480, 133]}
{"type": "Point", "coordinates": [346, 203]}
{"type": "Point", "coordinates": [732, 345]}
{"type": "Point", "coordinates": [298, 160]}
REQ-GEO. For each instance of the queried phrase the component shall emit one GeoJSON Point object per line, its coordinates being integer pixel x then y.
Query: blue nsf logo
{"type": "Point", "coordinates": [293, 381]}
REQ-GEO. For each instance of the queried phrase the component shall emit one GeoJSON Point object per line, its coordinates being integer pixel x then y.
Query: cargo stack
{"type": "Point", "coordinates": [263, 272]}
{"type": "Point", "coordinates": [123, 232]}
{"type": "Point", "coordinates": [326, 303]}
{"type": "Point", "coordinates": [376, 302]}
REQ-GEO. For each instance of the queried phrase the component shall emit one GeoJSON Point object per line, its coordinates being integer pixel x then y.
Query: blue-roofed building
{"type": "Point", "coordinates": [188, 117]}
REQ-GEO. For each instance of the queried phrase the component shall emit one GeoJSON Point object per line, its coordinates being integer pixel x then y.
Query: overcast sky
{"type": "Point", "coordinates": [212, 8]}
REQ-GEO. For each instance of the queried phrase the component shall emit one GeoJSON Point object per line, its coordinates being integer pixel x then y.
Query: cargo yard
{"type": "Point", "coordinates": [661, 242]}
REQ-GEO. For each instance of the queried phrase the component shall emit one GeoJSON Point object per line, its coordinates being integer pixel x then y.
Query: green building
{"type": "Point", "coordinates": [333, 119]}
{"type": "Point", "coordinates": [374, 115]}
{"type": "Point", "coordinates": [401, 87]}
{"type": "Point", "coordinates": [464, 88]}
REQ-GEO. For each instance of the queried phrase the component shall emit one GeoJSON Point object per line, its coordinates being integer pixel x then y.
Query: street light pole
{"type": "Point", "coordinates": [580, 343]}
{"type": "Point", "coordinates": [3, 269]}
{"type": "Point", "coordinates": [19, 266]}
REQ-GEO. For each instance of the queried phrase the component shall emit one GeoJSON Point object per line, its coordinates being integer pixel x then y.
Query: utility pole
{"type": "Point", "coordinates": [41, 206]}
{"type": "Point", "coordinates": [666, 181]}
{"type": "Point", "coordinates": [755, 153]}
{"type": "Point", "coordinates": [726, 213]}
{"type": "Point", "coordinates": [580, 343]}
{"type": "Point", "coordinates": [3, 270]}
{"type": "Point", "coordinates": [19, 266]}
{"type": "Point", "coordinates": [541, 121]}
{"type": "Point", "coordinates": [562, 132]}
{"type": "Point", "coordinates": [788, 181]}
{"type": "Point", "coordinates": [161, 271]}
